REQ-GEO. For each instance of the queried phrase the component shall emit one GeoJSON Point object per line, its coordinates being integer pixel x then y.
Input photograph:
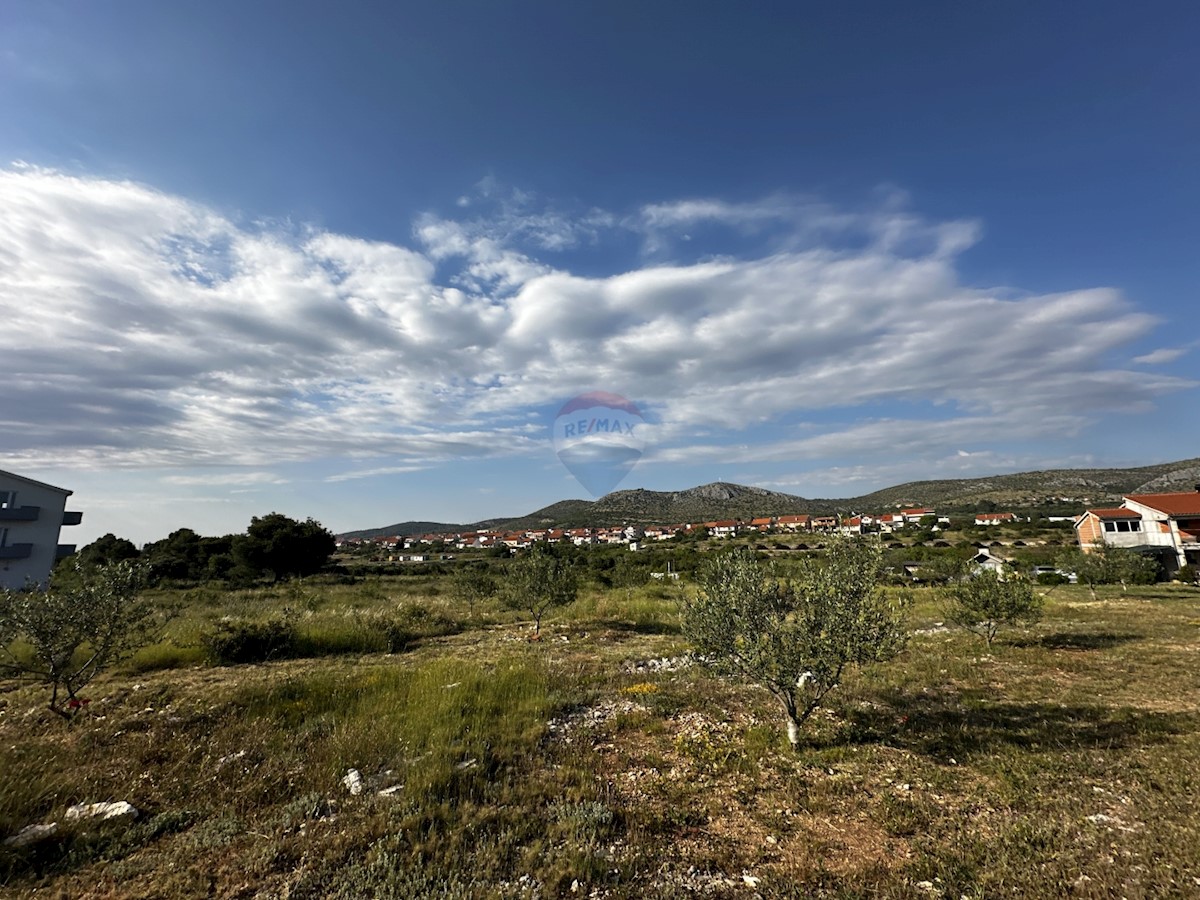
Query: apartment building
{"type": "Point", "coordinates": [31, 514]}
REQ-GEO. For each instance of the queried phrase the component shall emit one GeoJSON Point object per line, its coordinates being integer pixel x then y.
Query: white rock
{"type": "Point", "coordinates": [118, 809]}
{"type": "Point", "coordinates": [353, 782]}
{"type": "Point", "coordinates": [31, 834]}
{"type": "Point", "coordinates": [389, 791]}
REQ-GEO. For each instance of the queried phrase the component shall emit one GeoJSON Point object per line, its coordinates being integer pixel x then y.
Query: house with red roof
{"type": "Point", "coordinates": [1004, 518]}
{"type": "Point", "coordinates": [852, 525]}
{"type": "Point", "coordinates": [793, 522]}
{"type": "Point", "coordinates": [723, 528]}
{"type": "Point", "coordinates": [1164, 524]}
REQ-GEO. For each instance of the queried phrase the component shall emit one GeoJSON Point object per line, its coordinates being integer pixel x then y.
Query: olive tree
{"type": "Point", "coordinates": [795, 638]}
{"type": "Point", "coordinates": [985, 601]}
{"type": "Point", "coordinates": [1106, 564]}
{"type": "Point", "coordinates": [69, 634]}
{"type": "Point", "coordinates": [540, 580]}
{"type": "Point", "coordinates": [472, 583]}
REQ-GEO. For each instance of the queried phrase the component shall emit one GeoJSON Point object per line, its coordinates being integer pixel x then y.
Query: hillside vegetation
{"type": "Point", "coordinates": [722, 500]}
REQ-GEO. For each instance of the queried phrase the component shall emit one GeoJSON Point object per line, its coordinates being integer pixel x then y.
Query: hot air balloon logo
{"type": "Point", "coordinates": [599, 439]}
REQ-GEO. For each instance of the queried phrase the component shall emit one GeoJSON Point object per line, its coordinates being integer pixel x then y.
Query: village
{"type": "Point", "coordinates": [634, 536]}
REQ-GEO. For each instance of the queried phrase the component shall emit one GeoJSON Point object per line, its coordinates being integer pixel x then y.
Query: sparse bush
{"type": "Point", "coordinates": [1052, 579]}
{"type": "Point", "coordinates": [1188, 574]}
{"type": "Point", "coordinates": [472, 584]}
{"type": "Point", "coordinates": [250, 642]}
{"type": "Point", "coordinates": [986, 601]}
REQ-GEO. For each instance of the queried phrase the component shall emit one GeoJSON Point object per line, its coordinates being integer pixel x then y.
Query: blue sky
{"type": "Point", "coordinates": [348, 261]}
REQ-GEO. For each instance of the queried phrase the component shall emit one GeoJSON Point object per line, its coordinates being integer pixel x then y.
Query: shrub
{"type": "Point", "coordinates": [250, 642]}
{"type": "Point", "coordinates": [1052, 579]}
{"type": "Point", "coordinates": [1188, 574]}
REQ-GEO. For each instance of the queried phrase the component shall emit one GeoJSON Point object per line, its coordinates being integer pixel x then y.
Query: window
{"type": "Point", "coordinates": [1110, 526]}
{"type": "Point", "coordinates": [8, 499]}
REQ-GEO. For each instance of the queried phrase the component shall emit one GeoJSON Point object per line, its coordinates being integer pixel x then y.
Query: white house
{"type": "Point", "coordinates": [31, 514]}
{"type": "Point", "coordinates": [983, 561]}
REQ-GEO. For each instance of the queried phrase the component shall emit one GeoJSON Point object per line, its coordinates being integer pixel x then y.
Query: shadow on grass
{"type": "Point", "coordinates": [1079, 640]}
{"type": "Point", "coordinates": [645, 627]}
{"type": "Point", "coordinates": [959, 727]}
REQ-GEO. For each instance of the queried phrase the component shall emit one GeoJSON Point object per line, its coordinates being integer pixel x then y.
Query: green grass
{"type": "Point", "coordinates": [1063, 761]}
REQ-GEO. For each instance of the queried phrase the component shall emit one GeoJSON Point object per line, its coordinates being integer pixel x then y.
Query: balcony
{"type": "Point", "coordinates": [1138, 539]}
{"type": "Point", "coordinates": [16, 551]}
{"type": "Point", "coordinates": [72, 517]}
{"type": "Point", "coordinates": [62, 551]}
{"type": "Point", "coordinates": [20, 513]}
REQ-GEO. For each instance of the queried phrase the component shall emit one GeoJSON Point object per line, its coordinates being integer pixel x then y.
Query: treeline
{"type": "Point", "coordinates": [273, 547]}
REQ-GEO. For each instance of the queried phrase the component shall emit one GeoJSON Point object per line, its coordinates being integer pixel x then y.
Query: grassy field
{"type": "Point", "coordinates": [596, 762]}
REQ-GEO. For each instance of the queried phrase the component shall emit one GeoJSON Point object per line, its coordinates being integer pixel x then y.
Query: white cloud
{"type": "Point", "coordinates": [226, 478]}
{"type": "Point", "coordinates": [1161, 356]}
{"type": "Point", "coordinates": [143, 329]}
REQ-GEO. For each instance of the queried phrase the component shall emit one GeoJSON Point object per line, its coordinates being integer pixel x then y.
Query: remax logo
{"type": "Point", "coordinates": [596, 436]}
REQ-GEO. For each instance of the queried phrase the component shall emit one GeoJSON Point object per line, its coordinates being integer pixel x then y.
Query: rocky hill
{"type": "Point", "coordinates": [722, 500]}
{"type": "Point", "coordinates": [1089, 486]}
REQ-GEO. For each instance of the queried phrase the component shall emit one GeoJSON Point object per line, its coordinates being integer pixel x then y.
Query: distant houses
{"type": "Point", "coordinates": [721, 529]}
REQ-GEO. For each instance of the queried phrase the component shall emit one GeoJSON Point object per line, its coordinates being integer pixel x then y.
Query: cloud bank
{"type": "Point", "coordinates": [146, 330]}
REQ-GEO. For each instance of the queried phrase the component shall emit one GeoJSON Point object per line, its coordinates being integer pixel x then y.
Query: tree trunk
{"type": "Point", "coordinates": [793, 719]}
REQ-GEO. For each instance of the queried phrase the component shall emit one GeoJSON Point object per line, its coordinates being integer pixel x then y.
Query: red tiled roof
{"type": "Point", "coordinates": [1120, 513]}
{"type": "Point", "coordinates": [1180, 503]}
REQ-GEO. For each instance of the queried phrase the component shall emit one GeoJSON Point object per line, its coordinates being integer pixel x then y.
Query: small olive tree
{"type": "Point", "coordinates": [472, 583]}
{"type": "Point", "coordinates": [1106, 564]}
{"type": "Point", "coordinates": [795, 638]}
{"type": "Point", "coordinates": [66, 636]}
{"type": "Point", "coordinates": [538, 581]}
{"type": "Point", "coordinates": [985, 601]}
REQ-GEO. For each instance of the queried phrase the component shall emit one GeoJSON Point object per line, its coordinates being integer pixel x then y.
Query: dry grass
{"type": "Point", "coordinates": [1063, 762]}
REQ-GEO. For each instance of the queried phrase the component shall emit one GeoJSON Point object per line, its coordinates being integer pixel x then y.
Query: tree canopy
{"type": "Point", "coordinates": [284, 547]}
{"type": "Point", "coordinates": [795, 638]}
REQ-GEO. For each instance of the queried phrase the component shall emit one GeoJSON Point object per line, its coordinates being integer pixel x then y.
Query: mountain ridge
{"type": "Point", "coordinates": [726, 500]}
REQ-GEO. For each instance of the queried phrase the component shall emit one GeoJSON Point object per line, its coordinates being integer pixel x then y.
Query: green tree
{"type": "Point", "coordinates": [74, 632]}
{"type": "Point", "coordinates": [284, 547]}
{"type": "Point", "coordinates": [795, 638]}
{"type": "Point", "coordinates": [107, 549]}
{"type": "Point", "coordinates": [1106, 564]}
{"type": "Point", "coordinates": [179, 556]}
{"type": "Point", "coordinates": [984, 602]}
{"type": "Point", "coordinates": [540, 580]}
{"type": "Point", "coordinates": [472, 584]}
